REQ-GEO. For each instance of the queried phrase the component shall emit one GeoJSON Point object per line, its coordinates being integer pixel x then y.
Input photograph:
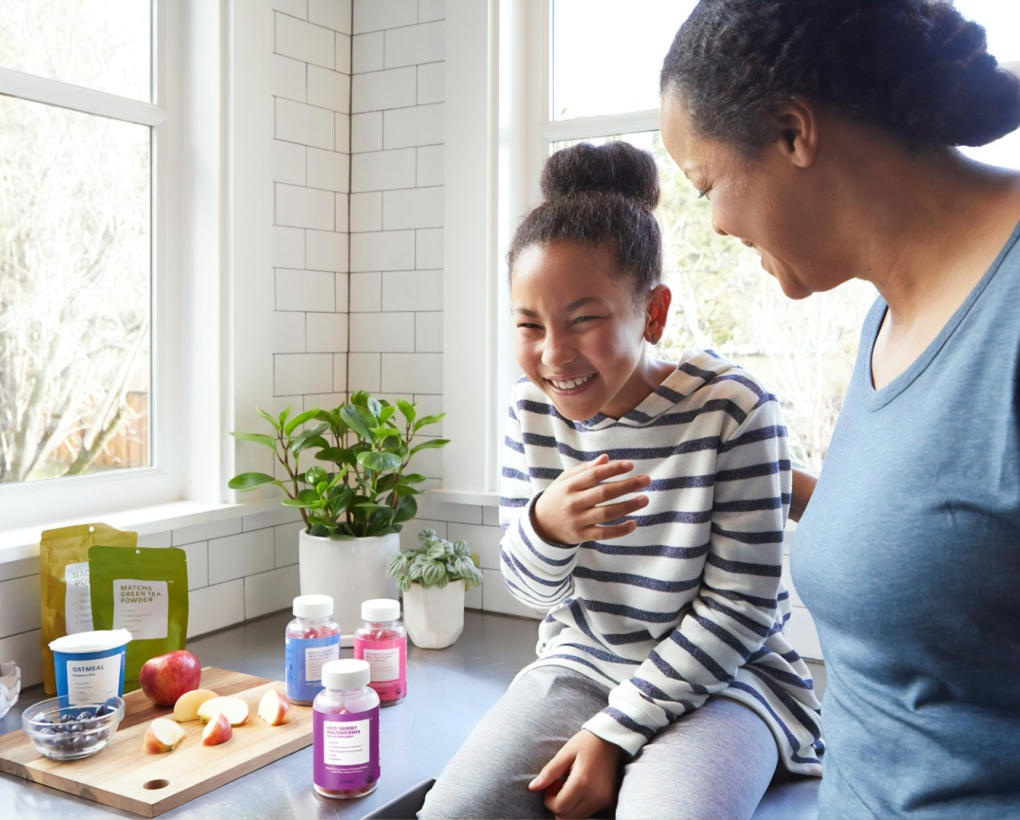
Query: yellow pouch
{"type": "Point", "coordinates": [64, 583]}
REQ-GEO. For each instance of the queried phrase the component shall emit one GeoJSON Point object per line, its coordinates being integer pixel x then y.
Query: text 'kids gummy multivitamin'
{"type": "Point", "coordinates": [312, 639]}
{"type": "Point", "coordinates": [345, 732]}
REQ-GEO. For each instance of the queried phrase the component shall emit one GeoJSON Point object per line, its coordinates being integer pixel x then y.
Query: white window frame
{"type": "Point", "coordinates": [26, 503]}
{"type": "Point", "coordinates": [498, 132]}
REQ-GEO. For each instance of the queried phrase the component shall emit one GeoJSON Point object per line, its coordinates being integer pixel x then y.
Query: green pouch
{"type": "Point", "coordinates": [64, 583]}
{"type": "Point", "coordinates": [143, 590]}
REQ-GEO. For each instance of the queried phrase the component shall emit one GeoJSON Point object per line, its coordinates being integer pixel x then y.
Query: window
{"type": "Point", "coordinates": [86, 151]}
{"type": "Point", "coordinates": [566, 70]}
{"type": "Point", "coordinates": [803, 350]}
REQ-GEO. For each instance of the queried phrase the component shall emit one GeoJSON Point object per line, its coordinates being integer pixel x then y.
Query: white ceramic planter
{"type": "Point", "coordinates": [434, 617]}
{"type": "Point", "coordinates": [351, 571]}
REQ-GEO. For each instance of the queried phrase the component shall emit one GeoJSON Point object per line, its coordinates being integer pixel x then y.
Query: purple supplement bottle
{"type": "Point", "coordinates": [345, 731]}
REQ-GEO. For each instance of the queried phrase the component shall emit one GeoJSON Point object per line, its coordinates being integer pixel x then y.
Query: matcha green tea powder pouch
{"type": "Point", "coordinates": [143, 590]}
{"type": "Point", "coordinates": [64, 583]}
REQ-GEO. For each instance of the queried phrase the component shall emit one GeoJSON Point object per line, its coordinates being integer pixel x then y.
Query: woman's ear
{"type": "Point", "coordinates": [656, 312]}
{"type": "Point", "coordinates": [796, 127]}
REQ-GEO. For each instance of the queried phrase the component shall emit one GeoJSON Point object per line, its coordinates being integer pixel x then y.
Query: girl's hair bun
{"type": "Point", "coordinates": [611, 168]}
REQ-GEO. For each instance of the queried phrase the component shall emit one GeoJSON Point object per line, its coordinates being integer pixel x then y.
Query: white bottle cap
{"type": "Point", "coordinates": [380, 609]}
{"type": "Point", "coordinates": [347, 673]}
{"type": "Point", "coordinates": [313, 606]}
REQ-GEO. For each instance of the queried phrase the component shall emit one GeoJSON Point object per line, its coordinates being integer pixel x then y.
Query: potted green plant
{"type": "Point", "coordinates": [354, 500]}
{"type": "Point", "coordinates": [433, 578]}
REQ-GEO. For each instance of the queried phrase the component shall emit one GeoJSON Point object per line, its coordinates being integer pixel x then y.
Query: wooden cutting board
{"type": "Point", "coordinates": [123, 776]}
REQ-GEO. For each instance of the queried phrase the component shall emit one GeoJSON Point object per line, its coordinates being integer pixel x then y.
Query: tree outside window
{"type": "Point", "coordinates": [75, 238]}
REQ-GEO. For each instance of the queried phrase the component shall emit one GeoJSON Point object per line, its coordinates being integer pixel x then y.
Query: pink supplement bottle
{"type": "Point", "coordinates": [382, 641]}
{"type": "Point", "coordinates": [345, 732]}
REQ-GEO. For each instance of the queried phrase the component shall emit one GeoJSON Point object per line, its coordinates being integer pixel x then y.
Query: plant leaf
{"type": "Point", "coordinates": [406, 410]}
{"type": "Point", "coordinates": [431, 444]}
{"type": "Point", "coordinates": [300, 419]}
{"type": "Point", "coordinates": [337, 455]}
{"type": "Point", "coordinates": [379, 462]}
{"type": "Point", "coordinates": [426, 420]}
{"type": "Point", "coordinates": [269, 418]}
{"type": "Point", "coordinates": [258, 438]}
{"type": "Point", "coordinates": [249, 481]}
{"type": "Point", "coordinates": [352, 417]}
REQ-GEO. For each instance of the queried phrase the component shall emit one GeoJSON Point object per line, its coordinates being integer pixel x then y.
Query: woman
{"type": "Point", "coordinates": [824, 134]}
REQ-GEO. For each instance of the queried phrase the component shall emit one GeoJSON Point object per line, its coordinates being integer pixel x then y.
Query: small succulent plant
{"type": "Point", "coordinates": [435, 563]}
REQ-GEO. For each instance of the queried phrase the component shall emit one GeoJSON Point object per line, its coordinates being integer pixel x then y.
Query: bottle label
{"type": "Point", "coordinates": [305, 657]}
{"type": "Point", "coordinates": [388, 662]}
{"type": "Point", "coordinates": [345, 749]}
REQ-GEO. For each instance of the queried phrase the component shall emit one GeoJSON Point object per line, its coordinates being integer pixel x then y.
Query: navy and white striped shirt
{"type": "Point", "coordinates": [690, 604]}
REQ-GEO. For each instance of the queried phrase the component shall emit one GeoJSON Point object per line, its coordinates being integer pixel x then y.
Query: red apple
{"type": "Point", "coordinates": [275, 709]}
{"type": "Point", "coordinates": [217, 731]}
{"type": "Point", "coordinates": [163, 735]}
{"type": "Point", "coordinates": [166, 677]}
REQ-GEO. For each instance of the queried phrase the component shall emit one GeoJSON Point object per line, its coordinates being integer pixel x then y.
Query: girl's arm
{"type": "Point", "coordinates": [737, 605]}
{"type": "Point", "coordinates": [546, 520]}
{"type": "Point", "coordinates": [803, 487]}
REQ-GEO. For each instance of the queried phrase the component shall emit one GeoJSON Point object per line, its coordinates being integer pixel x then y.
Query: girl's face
{"type": "Point", "coordinates": [765, 202]}
{"type": "Point", "coordinates": [579, 334]}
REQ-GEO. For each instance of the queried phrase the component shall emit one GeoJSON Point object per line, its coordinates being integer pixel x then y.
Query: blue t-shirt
{"type": "Point", "coordinates": [908, 557]}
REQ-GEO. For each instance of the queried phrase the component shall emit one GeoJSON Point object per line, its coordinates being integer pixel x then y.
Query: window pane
{"type": "Point", "coordinates": [802, 350]}
{"type": "Point", "coordinates": [100, 44]}
{"type": "Point", "coordinates": [1002, 25]}
{"type": "Point", "coordinates": [1002, 28]}
{"type": "Point", "coordinates": [607, 54]}
{"type": "Point", "coordinates": [74, 292]}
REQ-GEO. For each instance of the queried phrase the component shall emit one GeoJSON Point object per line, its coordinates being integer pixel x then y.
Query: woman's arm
{"type": "Point", "coordinates": [803, 487]}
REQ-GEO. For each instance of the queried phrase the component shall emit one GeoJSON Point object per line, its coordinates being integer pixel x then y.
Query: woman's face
{"type": "Point", "coordinates": [765, 202]}
{"type": "Point", "coordinates": [579, 334]}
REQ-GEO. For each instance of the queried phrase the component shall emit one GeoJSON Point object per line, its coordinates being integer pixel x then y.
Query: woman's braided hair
{"type": "Point", "coordinates": [915, 68]}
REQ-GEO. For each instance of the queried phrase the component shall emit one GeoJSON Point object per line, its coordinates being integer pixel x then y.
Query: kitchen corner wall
{"type": "Point", "coordinates": [358, 229]}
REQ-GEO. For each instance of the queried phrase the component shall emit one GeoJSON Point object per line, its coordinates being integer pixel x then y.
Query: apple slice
{"type": "Point", "coordinates": [163, 735]}
{"type": "Point", "coordinates": [235, 709]}
{"type": "Point", "coordinates": [186, 707]}
{"type": "Point", "coordinates": [217, 730]}
{"type": "Point", "coordinates": [275, 709]}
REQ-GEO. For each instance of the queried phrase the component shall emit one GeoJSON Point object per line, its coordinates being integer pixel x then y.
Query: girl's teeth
{"type": "Point", "coordinates": [572, 383]}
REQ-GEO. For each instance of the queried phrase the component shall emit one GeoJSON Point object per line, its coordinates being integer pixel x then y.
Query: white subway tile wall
{"type": "Point", "coordinates": [311, 69]}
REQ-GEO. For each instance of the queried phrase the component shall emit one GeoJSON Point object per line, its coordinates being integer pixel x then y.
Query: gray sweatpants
{"type": "Point", "coordinates": [713, 763]}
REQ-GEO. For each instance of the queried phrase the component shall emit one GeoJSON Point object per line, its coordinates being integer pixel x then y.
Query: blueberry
{"type": "Point", "coordinates": [83, 716]}
{"type": "Point", "coordinates": [66, 718]}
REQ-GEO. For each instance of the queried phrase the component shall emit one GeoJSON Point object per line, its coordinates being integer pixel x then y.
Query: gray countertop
{"type": "Point", "coordinates": [448, 691]}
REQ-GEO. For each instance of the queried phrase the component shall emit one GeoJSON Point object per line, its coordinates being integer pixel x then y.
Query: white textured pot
{"type": "Point", "coordinates": [351, 570]}
{"type": "Point", "coordinates": [434, 617]}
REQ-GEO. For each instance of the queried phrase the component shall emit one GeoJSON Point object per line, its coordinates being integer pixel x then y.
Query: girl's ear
{"type": "Point", "coordinates": [656, 312]}
{"type": "Point", "coordinates": [796, 126]}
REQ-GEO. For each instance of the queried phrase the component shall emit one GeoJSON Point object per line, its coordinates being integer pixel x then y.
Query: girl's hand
{"type": "Point", "coordinates": [573, 508]}
{"type": "Point", "coordinates": [582, 777]}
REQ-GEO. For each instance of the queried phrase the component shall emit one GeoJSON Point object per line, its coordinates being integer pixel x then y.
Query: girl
{"type": "Point", "coordinates": [644, 504]}
{"type": "Point", "coordinates": [827, 140]}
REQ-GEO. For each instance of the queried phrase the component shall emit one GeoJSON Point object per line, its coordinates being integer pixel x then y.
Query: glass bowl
{"type": "Point", "coordinates": [71, 732]}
